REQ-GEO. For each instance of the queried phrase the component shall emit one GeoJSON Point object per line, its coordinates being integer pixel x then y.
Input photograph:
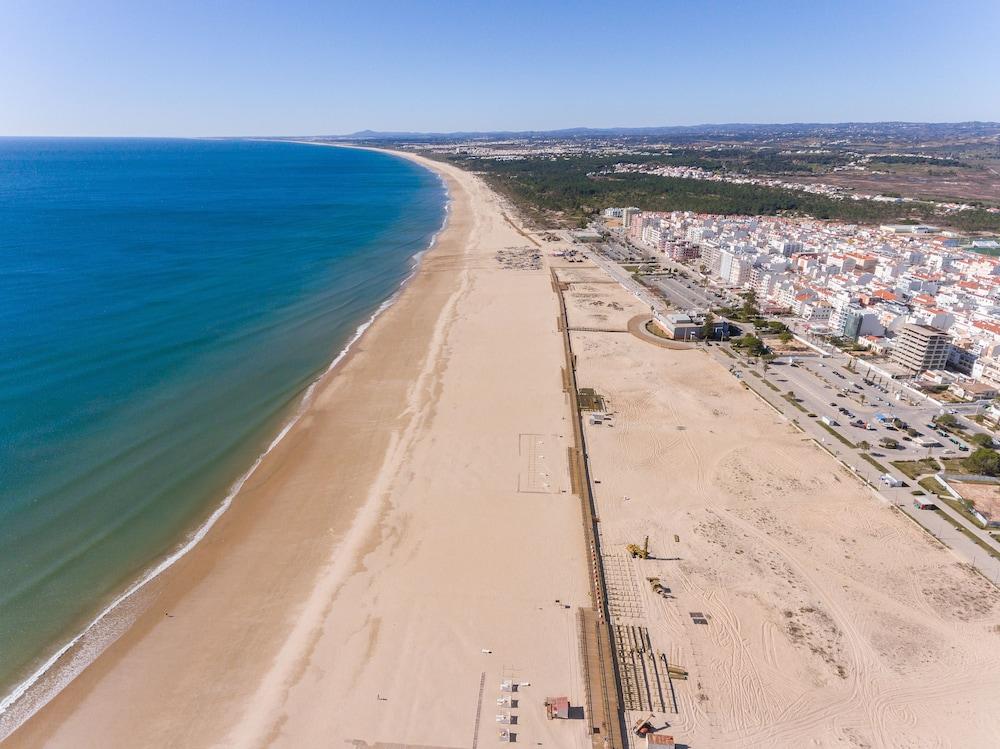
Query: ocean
{"type": "Point", "coordinates": [164, 306]}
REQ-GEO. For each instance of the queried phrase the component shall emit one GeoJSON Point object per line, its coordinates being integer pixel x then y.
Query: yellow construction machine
{"type": "Point", "coordinates": [639, 552]}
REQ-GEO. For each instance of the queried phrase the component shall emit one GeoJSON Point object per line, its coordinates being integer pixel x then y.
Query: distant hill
{"type": "Point", "coordinates": [908, 131]}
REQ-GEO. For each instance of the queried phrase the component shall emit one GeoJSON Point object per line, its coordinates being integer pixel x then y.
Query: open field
{"type": "Point", "coordinates": [830, 619]}
{"type": "Point", "coordinates": [928, 182]}
{"type": "Point", "coordinates": [986, 497]}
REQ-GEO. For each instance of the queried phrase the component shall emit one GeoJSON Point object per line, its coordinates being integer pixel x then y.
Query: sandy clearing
{"type": "Point", "coordinates": [832, 620]}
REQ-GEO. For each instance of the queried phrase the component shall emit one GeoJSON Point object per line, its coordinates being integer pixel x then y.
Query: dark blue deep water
{"type": "Point", "coordinates": [163, 306]}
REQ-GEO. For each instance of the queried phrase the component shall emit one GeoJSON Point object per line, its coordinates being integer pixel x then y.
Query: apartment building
{"type": "Point", "coordinates": [921, 347]}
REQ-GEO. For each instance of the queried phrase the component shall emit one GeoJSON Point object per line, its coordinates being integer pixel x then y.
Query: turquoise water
{"type": "Point", "coordinates": [163, 306]}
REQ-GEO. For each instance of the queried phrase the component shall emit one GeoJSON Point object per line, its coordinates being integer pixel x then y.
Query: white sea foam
{"type": "Point", "coordinates": [71, 669]}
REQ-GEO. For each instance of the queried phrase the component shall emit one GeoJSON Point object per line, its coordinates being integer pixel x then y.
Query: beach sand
{"type": "Point", "coordinates": [418, 514]}
{"type": "Point", "coordinates": [827, 617]}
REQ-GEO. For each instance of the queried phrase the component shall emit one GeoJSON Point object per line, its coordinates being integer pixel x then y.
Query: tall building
{"type": "Point", "coordinates": [921, 347]}
{"type": "Point", "coordinates": [852, 321]}
{"type": "Point", "coordinates": [628, 214]}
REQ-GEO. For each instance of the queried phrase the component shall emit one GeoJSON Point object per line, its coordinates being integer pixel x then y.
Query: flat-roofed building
{"type": "Point", "coordinates": [921, 347]}
{"type": "Point", "coordinates": [628, 214]}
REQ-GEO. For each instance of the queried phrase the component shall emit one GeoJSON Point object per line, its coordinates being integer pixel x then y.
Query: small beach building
{"type": "Point", "coordinates": [557, 707]}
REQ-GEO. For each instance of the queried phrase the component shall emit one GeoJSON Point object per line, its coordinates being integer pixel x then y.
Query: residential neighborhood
{"type": "Point", "coordinates": [916, 303]}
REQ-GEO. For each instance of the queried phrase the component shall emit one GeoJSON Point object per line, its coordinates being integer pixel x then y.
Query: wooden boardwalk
{"type": "Point", "coordinates": [603, 697]}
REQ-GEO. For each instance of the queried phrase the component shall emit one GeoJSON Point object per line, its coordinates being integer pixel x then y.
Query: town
{"type": "Point", "coordinates": [888, 333]}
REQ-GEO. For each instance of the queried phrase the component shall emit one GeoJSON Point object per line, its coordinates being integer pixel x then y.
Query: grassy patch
{"type": "Point", "coordinates": [953, 465]}
{"type": "Point", "coordinates": [836, 434]}
{"type": "Point", "coordinates": [794, 402]}
{"type": "Point", "coordinates": [958, 507]}
{"type": "Point", "coordinates": [913, 468]}
{"type": "Point", "coordinates": [655, 329]}
{"type": "Point", "coordinates": [727, 352]}
{"type": "Point", "coordinates": [933, 486]}
{"type": "Point", "coordinates": [767, 382]}
{"type": "Point", "coordinates": [972, 536]}
{"type": "Point", "coordinates": [881, 468]}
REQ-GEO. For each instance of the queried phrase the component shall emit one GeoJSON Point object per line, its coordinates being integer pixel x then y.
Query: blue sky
{"type": "Point", "coordinates": [217, 67]}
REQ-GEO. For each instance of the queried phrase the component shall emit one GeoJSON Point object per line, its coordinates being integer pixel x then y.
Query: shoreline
{"type": "Point", "coordinates": [331, 582]}
{"type": "Point", "coordinates": [55, 666]}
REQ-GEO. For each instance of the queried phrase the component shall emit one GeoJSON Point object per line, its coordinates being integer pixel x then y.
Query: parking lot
{"type": "Point", "coordinates": [685, 293]}
{"type": "Point", "coordinates": [826, 388]}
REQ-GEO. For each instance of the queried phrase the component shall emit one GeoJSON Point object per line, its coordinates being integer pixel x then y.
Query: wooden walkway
{"type": "Point", "coordinates": [596, 641]}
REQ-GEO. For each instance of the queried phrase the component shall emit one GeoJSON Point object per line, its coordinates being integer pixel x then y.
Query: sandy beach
{"type": "Point", "coordinates": [409, 546]}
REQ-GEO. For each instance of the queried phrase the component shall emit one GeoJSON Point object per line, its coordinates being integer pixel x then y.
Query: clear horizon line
{"type": "Point", "coordinates": [609, 128]}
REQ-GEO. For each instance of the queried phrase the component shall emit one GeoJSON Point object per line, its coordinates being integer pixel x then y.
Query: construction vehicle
{"type": "Point", "coordinates": [643, 726]}
{"type": "Point", "coordinates": [639, 552]}
{"type": "Point", "coordinates": [658, 587]}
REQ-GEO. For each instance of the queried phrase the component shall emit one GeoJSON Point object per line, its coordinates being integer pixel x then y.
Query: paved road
{"type": "Point", "coordinates": [623, 277]}
{"type": "Point", "coordinates": [687, 295]}
{"type": "Point", "coordinates": [820, 382]}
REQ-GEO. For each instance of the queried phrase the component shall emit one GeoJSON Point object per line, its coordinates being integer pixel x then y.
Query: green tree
{"type": "Point", "coordinates": [864, 446]}
{"type": "Point", "coordinates": [946, 420]}
{"type": "Point", "coordinates": [753, 345]}
{"type": "Point", "coordinates": [888, 443]}
{"type": "Point", "coordinates": [982, 439]}
{"type": "Point", "coordinates": [785, 336]}
{"type": "Point", "coordinates": [983, 461]}
{"type": "Point", "coordinates": [749, 308]}
{"type": "Point", "coordinates": [708, 327]}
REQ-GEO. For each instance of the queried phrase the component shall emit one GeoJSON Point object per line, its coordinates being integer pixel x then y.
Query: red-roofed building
{"type": "Point", "coordinates": [989, 327]}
